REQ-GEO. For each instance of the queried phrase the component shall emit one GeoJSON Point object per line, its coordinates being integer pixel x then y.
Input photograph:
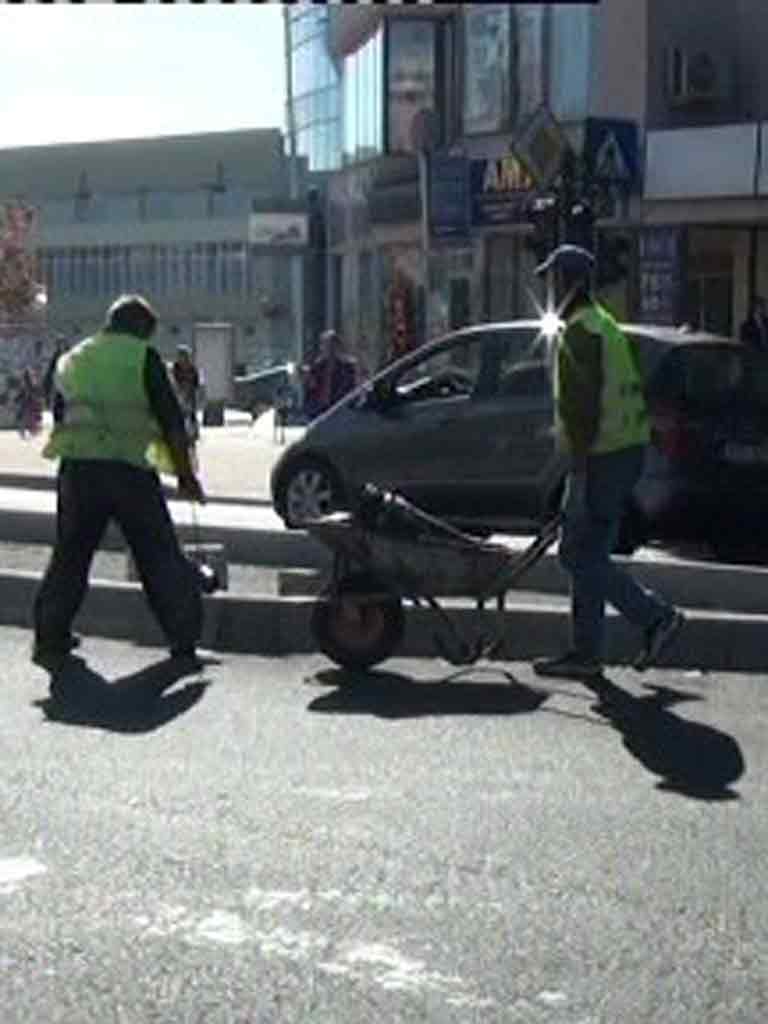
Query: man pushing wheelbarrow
{"type": "Point", "coordinates": [602, 424]}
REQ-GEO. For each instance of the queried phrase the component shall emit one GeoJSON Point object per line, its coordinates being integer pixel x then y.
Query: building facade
{"type": "Point", "coordinates": [659, 105]}
{"type": "Point", "coordinates": [461, 83]}
{"type": "Point", "coordinates": [706, 176]}
{"type": "Point", "coordinates": [203, 225]}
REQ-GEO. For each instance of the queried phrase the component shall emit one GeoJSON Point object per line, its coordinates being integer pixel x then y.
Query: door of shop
{"type": "Point", "coordinates": [710, 284]}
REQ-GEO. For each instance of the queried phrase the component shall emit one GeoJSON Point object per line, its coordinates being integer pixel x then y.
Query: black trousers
{"type": "Point", "coordinates": [90, 493]}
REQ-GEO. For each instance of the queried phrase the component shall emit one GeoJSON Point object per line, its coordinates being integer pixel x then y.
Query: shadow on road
{"type": "Point", "coordinates": [692, 759]}
{"type": "Point", "coordinates": [391, 695]}
{"type": "Point", "coordinates": [136, 703]}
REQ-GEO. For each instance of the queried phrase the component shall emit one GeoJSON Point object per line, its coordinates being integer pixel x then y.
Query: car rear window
{"type": "Point", "coordinates": [706, 377]}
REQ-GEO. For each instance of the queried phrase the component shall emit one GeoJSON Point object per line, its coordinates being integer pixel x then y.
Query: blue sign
{"type": "Point", "coordinates": [660, 254]}
{"type": "Point", "coordinates": [448, 198]}
{"type": "Point", "coordinates": [501, 191]}
{"type": "Point", "coordinates": [612, 151]}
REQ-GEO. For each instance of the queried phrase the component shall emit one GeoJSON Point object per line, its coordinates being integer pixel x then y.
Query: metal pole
{"type": "Point", "coordinates": [297, 257]}
{"type": "Point", "coordinates": [425, 244]}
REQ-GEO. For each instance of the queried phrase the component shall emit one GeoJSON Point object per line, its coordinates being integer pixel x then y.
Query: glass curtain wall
{"type": "Point", "coordinates": [363, 101]}
{"type": "Point", "coordinates": [316, 85]}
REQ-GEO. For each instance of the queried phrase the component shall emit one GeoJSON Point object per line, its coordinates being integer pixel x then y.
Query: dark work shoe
{"type": "Point", "coordinates": [568, 666]}
{"type": "Point", "coordinates": [658, 638]}
{"type": "Point", "coordinates": [51, 658]}
{"type": "Point", "coordinates": [186, 658]}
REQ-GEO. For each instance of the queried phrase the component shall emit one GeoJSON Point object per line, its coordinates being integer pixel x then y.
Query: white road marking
{"type": "Point", "coordinates": [326, 793]}
{"type": "Point", "coordinates": [16, 870]}
{"type": "Point", "coordinates": [223, 928]}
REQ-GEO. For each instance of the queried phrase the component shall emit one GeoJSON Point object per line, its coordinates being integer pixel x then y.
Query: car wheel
{"type": "Point", "coordinates": [357, 623]}
{"type": "Point", "coordinates": [309, 489]}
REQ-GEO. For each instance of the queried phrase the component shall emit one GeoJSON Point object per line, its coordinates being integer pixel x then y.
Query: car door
{"type": "Point", "coordinates": [519, 462]}
{"type": "Point", "coordinates": [430, 431]}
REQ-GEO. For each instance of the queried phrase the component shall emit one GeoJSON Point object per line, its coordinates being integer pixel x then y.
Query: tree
{"type": "Point", "coordinates": [19, 290]}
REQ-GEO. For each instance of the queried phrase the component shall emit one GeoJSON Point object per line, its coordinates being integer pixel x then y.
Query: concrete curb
{"type": "Point", "coordinates": [243, 546]}
{"type": "Point", "coordinates": [42, 482]}
{"type": "Point", "coordinates": [686, 583]}
{"type": "Point", "coordinates": [280, 626]}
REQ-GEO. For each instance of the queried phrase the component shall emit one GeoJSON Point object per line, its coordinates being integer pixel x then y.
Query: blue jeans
{"type": "Point", "coordinates": [592, 512]}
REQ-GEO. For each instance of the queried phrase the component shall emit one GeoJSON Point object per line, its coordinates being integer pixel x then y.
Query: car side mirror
{"type": "Point", "coordinates": [382, 395]}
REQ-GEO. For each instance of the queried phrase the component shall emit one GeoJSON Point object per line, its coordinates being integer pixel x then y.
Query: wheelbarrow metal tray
{"type": "Point", "coordinates": [421, 564]}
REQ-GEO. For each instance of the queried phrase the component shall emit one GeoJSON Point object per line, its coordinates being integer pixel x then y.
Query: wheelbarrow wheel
{"type": "Point", "coordinates": [356, 623]}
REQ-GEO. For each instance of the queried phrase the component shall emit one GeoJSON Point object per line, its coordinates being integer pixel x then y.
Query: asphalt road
{"type": "Point", "coordinates": [274, 841]}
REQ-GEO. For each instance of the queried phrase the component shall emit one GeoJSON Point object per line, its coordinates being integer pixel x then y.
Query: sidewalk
{"type": "Point", "coordinates": [235, 459]}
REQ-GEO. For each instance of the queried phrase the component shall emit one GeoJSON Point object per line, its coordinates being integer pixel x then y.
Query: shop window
{"type": "Point", "coordinates": [570, 60]}
{"type": "Point", "coordinates": [528, 65]}
{"type": "Point", "coordinates": [411, 79]}
{"type": "Point", "coordinates": [487, 92]}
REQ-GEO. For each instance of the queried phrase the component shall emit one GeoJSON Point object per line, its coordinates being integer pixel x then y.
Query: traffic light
{"type": "Point", "coordinates": [543, 216]}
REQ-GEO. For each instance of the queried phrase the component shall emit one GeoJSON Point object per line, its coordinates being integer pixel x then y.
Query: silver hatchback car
{"type": "Point", "coordinates": [463, 427]}
{"type": "Point", "coordinates": [462, 424]}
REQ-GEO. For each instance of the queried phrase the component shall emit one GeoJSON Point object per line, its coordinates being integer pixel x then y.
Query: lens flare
{"type": "Point", "coordinates": [551, 324]}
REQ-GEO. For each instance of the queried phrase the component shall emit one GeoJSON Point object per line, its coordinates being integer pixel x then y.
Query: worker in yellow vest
{"type": "Point", "coordinates": [117, 423]}
{"type": "Point", "coordinates": [601, 424]}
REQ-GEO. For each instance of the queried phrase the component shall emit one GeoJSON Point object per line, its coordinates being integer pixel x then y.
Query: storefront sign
{"type": "Point", "coordinates": [449, 206]}
{"type": "Point", "coordinates": [501, 191]}
{"type": "Point", "coordinates": [660, 274]}
{"type": "Point", "coordinates": [278, 229]}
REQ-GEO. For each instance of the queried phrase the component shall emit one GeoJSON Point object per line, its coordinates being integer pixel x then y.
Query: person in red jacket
{"type": "Point", "coordinates": [329, 376]}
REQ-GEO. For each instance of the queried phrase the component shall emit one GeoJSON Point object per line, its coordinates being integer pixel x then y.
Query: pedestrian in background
{"type": "Point", "coordinates": [186, 379]}
{"type": "Point", "coordinates": [329, 376]}
{"type": "Point", "coordinates": [754, 330]}
{"type": "Point", "coordinates": [29, 404]}
{"type": "Point", "coordinates": [602, 426]}
{"type": "Point", "coordinates": [117, 422]}
{"type": "Point", "coordinates": [283, 404]}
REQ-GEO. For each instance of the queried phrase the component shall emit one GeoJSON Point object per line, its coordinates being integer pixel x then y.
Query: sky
{"type": "Point", "coordinates": [76, 73]}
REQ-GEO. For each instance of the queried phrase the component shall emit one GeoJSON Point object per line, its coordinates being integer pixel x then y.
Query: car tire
{"type": "Point", "coordinates": [358, 634]}
{"type": "Point", "coordinates": [308, 488]}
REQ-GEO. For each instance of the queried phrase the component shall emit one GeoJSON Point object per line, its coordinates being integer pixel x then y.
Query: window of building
{"type": "Point", "coordinates": [159, 205]}
{"type": "Point", "coordinates": [570, 60]}
{"type": "Point", "coordinates": [363, 101]}
{"type": "Point", "coordinates": [487, 105]}
{"type": "Point", "coordinates": [528, 58]}
{"type": "Point", "coordinates": [411, 78]}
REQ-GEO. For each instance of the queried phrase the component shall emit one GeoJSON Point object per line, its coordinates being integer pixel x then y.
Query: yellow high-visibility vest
{"type": "Point", "coordinates": [106, 411]}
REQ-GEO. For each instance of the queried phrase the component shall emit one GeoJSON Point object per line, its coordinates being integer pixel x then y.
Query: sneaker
{"type": "Point", "coordinates": [658, 638]}
{"type": "Point", "coordinates": [568, 666]}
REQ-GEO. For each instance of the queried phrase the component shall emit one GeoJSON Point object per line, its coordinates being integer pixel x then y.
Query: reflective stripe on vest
{"type": "Point", "coordinates": [106, 410]}
{"type": "Point", "coordinates": [623, 419]}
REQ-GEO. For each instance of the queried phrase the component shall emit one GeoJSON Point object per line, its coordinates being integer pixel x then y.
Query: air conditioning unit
{"type": "Point", "coordinates": [696, 77]}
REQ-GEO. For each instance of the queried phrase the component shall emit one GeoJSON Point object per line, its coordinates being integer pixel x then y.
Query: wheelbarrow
{"type": "Point", "coordinates": [387, 552]}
